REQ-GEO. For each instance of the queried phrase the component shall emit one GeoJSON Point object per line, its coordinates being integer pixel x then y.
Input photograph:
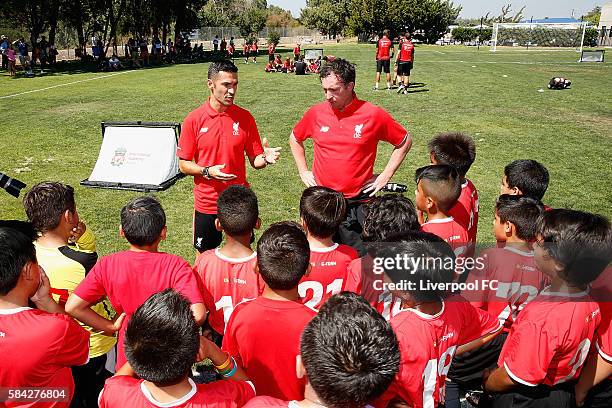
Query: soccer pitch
{"type": "Point", "coordinates": [51, 127]}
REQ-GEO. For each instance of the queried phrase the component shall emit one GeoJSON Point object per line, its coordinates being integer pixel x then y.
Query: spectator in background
{"type": "Point", "coordinates": [223, 45]}
{"type": "Point", "coordinates": [144, 50]}
{"type": "Point", "coordinates": [156, 49]}
{"type": "Point", "coordinates": [254, 50]}
{"type": "Point", "coordinates": [300, 67]}
{"type": "Point", "coordinates": [278, 63]}
{"type": "Point", "coordinates": [95, 46]}
{"type": "Point", "coordinates": [114, 64]}
{"type": "Point", "coordinates": [245, 51]}
{"type": "Point", "coordinates": [53, 54]}
{"type": "Point", "coordinates": [296, 51]}
{"type": "Point", "coordinates": [114, 45]}
{"type": "Point", "coordinates": [4, 44]}
{"type": "Point", "coordinates": [22, 48]}
{"type": "Point", "coordinates": [10, 55]}
{"type": "Point", "coordinates": [231, 48]}
{"type": "Point", "coordinates": [36, 54]}
{"type": "Point", "coordinates": [44, 51]}
{"type": "Point", "coordinates": [215, 42]}
{"type": "Point", "coordinates": [271, 51]}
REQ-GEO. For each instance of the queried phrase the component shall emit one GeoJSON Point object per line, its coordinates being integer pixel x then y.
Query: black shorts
{"type": "Point", "coordinates": [271, 57]}
{"type": "Point", "coordinates": [205, 235]}
{"type": "Point", "coordinates": [467, 369]}
{"type": "Point", "coordinates": [600, 395]}
{"type": "Point", "coordinates": [541, 396]}
{"type": "Point", "coordinates": [403, 68]}
{"type": "Point", "coordinates": [349, 230]}
{"type": "Point", "coordinates": [383, 65]}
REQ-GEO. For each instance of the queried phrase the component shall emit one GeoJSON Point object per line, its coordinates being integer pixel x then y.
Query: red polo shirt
{"type": "Point", "coordinates": [345, 142]}
{"type": "Point", "coordinates": [384, 47]}
{"type": "Point", "coordinates": [209, 138]}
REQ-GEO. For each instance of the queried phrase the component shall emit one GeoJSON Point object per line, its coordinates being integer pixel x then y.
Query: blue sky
{"type": "Point", "coordinates": [477, 8]}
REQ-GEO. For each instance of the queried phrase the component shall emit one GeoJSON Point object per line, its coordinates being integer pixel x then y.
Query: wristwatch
{"type": "Point", "coordinates": [205, 172]}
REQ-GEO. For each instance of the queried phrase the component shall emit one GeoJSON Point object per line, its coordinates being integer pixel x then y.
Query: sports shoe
{"type": "Point", "coordinates": [375, 88]}
{"type": "Point", "coordinates": [400, 89]}
{"type": "Point", "coordinates": [405, 92]}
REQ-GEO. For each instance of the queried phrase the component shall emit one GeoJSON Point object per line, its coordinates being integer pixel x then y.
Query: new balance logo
{"type": "Point", "coordinates": [204, 130]}
{"type": "Point", "coordinates": [2, 334]}
{"type": "Point", "coordinates": [324, 129]}
{"type": "Point", "coordinates": [236, 131]}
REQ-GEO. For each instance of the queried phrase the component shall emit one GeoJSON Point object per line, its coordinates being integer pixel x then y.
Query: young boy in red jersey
{"type": "Point", "coordinates": [254, 51]}
{"type": "Point", "coordinates": [129, 277]}
{"type": "Point", "coordinates": [507, 279]}
{"type": "Point", "coordinates": [459, 150]}
{"type": "Point", "coordinates": [246, 49]}
{"type": "Point", "coordinates": [438, 188]}
{"type": "Point", "coordinates": [551, 337]}
{"type": "Point", "coordinates": [37, 346]}
{"type": "Point", "coordinates": [271, 51]}
{"type": "Point", "coordinates": [347, 329]}
{"type": "Point", "coordinates": [263, 335]}
{"type": "Point", "coordinates": [228, 274]}
{"type": "Point", "coordinates": [66, 250]}
{"type": "Point", "coordinates": [162, 343]}
{"type": "Point", "coordinates": [594, 388]}
{"type": "Point", "coordinates": [296, 51]}
{"type": "Point", "coordinates": [278, 63]}
{"type": "Point", "coordinates": [384, 217]}
{"type": "Point", "coordinates": [287, 66]}
{"type": "Point", "coordinates": [431, 327]}
{"type": "Point", "coordinates": [525, 177]}
{"type": "Point", "coordinates": [321, 211]}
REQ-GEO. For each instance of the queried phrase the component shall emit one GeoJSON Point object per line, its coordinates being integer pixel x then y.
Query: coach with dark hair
{"type": "Point", "coordinates": [346, 131]}
{"type": "Point", "coordinates": [214, 139]}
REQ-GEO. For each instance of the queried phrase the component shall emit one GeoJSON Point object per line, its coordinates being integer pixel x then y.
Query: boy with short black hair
{"type": "Point", "coordinates": [513, 266]}
{"type": "Point", "coordinates": [515, 278]}
{"type": "Point", "coordinates": [228, 274]}
{"type": "Point", "coordinates": [387, 215]}
{"type": "Point", "coordinates": [525, 177]}
{"type": "Point", "coordinates": [438, 188]}
{"type": "Point", "coordinates": [321, 211]}
{"type": "Point", "coordinates": [572, 249]}
{"type": "Point", "coordinates": [431, 327]}
{"type": "Point", "coordinates": [384, 217]}
{"type": "Point", "coordinates": [349, 356]}
{"type": "Point", "coordinates": [459, 150]}
{"type": "Point", "coordinates": [66, 250]}
{"type": "Point", "coordinates": [38, 346]}
{"type": "Point", "coordinates": [161, 344]}
{"type": "Point", "coordinates": [263, 335]}
{"type": "Point", "coordinates": [129, 277]}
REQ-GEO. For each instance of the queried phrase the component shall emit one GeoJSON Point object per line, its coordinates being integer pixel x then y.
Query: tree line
{"type": "Point", "coordinates": [427, 20]}
{"type": "Point", "coordinates": [67, 21]}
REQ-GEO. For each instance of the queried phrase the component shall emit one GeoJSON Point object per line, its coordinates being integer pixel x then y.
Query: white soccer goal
{"type": "Point", "coordinates": [538, 35]}
{"type": "Point", "coordinates": [592, 56]}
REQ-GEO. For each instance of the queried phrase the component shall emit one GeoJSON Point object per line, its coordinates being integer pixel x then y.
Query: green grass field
{"type": "Point", "coordinates": [54, 133]}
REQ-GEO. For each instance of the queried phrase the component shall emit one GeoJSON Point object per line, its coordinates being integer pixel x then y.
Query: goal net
{"type": "Point", "coordinates": [538, 35]}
